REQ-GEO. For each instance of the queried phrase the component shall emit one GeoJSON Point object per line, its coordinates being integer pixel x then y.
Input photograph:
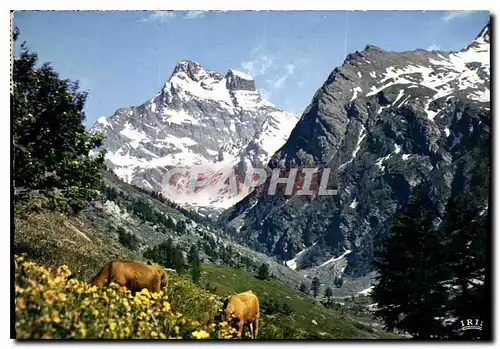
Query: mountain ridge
{"type": "Point", "coordinates": [383, 122]}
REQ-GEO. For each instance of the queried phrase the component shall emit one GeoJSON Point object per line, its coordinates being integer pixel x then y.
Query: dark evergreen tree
{"type": "Point", "coordinates": [466, 246]}
{"type": "Point", "coordinates": [315, 287]}
{"type": "Point", "coordinates": [195, 264]}
{"type": "Point", "coordinates": [163, 254]}
{"type": "Point", "coordinates": [170, 223]}
{"type": "Point", "coordinates": [144, 210]}
{"type": "Point", "coordinates": [328, 295]}
{"type": "Point", "coordinates": [128, 240]}
{"type": "Point", "coordinates": [109, 193]}
{"type": "Point", "coordinates": [409, 292]}
{"type": "Point", "coordinates": [50, 144]}
{"type": "Point", "coordinates": [181, 226]}
{"type": "Point", "coordinates": [180, 264]}
{"type": "Point", "coordinates": [263, 272]}
{"type": "Point", "coordinates": [169, 254]}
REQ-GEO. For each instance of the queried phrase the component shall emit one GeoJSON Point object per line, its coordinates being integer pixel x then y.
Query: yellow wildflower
{"type": "Point", "coordinates": [127, 331]}
{"type": "Point", "coordinates": [202, 334]}
{"type": "Point", "coordinates": [166, 307]}
{"type": "Point", "coordinates": [20, 303]}
{"type": "Point", "coordinates": [55, 317]}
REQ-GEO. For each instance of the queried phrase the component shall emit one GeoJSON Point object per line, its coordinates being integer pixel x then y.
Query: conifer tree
{"type": "Point", "coordinates": [180, 265]}
{"type": "Point", "coordinates": [263, 272]}
{"type": "Point", "coordinates": [410, 269]}
{"type": "Point", "coordinates": [195, 263]}
{"type": "Point", "coordinates": [328, 294]}
{"type": "Point", "coordinates": [466, 245]}
{"type": "Point", "coordinates": [315, 287]}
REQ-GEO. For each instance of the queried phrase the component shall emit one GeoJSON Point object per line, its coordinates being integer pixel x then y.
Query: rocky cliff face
{"type": "Point", "coordinates": [199, 119]}
{"type": "Point", "coordinates": [383, 122]}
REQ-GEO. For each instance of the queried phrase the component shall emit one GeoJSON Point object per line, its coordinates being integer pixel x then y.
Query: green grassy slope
{"type": "Point", "coordinates": [53, 239]}
{"type": "Point", "coordinates": [330, 324]}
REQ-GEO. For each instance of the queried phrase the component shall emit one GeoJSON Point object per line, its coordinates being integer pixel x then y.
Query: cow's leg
{"type": "Point", "coordinates": [256, 324]}
{"type": "Point", "coordinates": [251, 329]}
{"type": "Point", "coordinates": [240, 328]}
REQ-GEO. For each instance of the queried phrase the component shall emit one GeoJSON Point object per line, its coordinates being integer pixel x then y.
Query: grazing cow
{"type": "Point", "coordinates": [131, 274]}
{"type": "Point", "coordinates": [241, 309]}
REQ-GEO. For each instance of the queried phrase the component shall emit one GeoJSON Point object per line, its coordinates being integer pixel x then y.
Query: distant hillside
{"type": "Point", "coordinates": [146, 220]}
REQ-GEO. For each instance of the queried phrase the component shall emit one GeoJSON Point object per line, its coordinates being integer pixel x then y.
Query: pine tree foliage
{"type": "Point", "coordinates": [195, 264]}
{"type": "Point", "coordinates": [315, 287]}
{"type": "Point", "coordinates": [50, 144]}
{"type": "Point", "coordinates": [329, 295]}
{"type": "Point", "coordinates": [263, 272]}
{"type": "Point", "coordinates": [409, 293]}
{"type": "Point", "coordinates": [466, 245]}
{"type": "Point", "coordinates": [428, 279]}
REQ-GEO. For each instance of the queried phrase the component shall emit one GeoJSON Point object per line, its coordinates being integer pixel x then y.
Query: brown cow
{"type": "Point", "coordinates": [241, 309]}
{"type": "Point", "coordinates": [131, 274]}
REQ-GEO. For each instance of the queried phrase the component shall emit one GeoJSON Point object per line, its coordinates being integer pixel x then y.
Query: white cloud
{"type": "Point", "coordinates": [434, 47]}
{"type": "Point", "coordinates": [258, 66]}
{"type": "Point", "coordinates": [278, 81]}
{"type": "Point", "coordinates": [194, 14]}
{"type": "Point", "coordinates": [158, 16]}
{"type": "Point", "coordinates": [273, 70]}
{"type": "Point", "coordinates": [451, 15]}
{"type": "Point", "coordinates": [259, 62]}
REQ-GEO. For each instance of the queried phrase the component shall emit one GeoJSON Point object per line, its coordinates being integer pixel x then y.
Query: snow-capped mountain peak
{"type": "Point", "coordinates": [199, 118]}
{"type": "Point", "coordinates": [194, 71]}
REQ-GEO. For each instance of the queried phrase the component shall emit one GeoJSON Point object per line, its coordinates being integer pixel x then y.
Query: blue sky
{"type": "Point", "coordinates": [123, 58]}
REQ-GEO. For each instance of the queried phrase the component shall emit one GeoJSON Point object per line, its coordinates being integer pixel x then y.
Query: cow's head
{"type": "Point", "coordinates": [164, 279]}
{"type": "Point", "coordinates": [163, 274]}
{"type": "Point", "coordinates": [228, 312]}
